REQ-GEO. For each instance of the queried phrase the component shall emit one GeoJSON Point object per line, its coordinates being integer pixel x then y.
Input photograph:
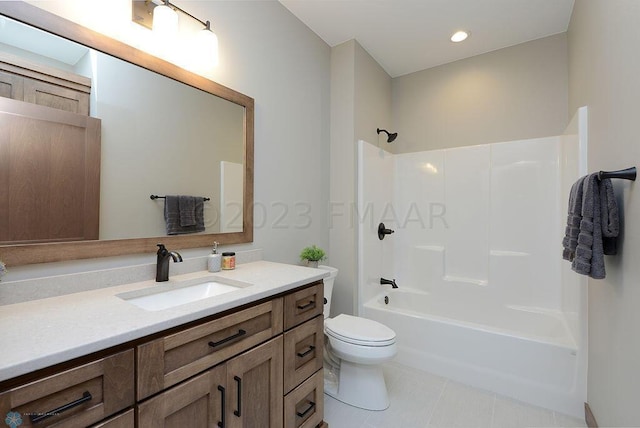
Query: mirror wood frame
{"type": "Point", "coordinates": [23, 254]}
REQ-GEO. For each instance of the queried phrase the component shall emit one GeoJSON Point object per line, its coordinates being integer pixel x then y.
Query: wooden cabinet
{"type": "Point", "coordinates": [303, 357]}
{"type": "Point", "coordinates": [254, 385]}
{"type": "Point", "coordinates": [246, 391]}
{"type": "Point", "coordinates": [197, 403]}
{"type": "Point", "coordinates": [123, 420]}
{"type": "Point", "coordinates": [304, 406]}
{"type": "Point", "coordinates": [303, 347]}
{"type": "Point", "coordinates": [27, 81]}
{"type": "Point", "coordinates": [77, 397]}
{"type": "Point", "coordinates": [240, 370]}
{"type": "Point", "coordinates": [49, 174]}
{"type": "Point", "coordinates": [303, 305]}
{"type": "Point", "coordinates": [171, 359]}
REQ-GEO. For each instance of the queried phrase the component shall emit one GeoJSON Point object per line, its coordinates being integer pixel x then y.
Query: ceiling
{"type": "Point", "coordinates": [405, 36]}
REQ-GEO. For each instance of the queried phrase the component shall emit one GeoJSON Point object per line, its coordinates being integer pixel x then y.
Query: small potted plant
{"type": "Point", "coordinates": [312, 255]}
{"type": "Point", "coordinates": [3, 269]}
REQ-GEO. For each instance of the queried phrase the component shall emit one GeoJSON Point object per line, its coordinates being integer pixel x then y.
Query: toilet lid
{"type": "Point", "coordinates": [359, 331]}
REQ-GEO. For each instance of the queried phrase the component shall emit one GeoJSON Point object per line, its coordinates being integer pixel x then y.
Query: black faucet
{"type": "Point", "coordinates": [162, 269]}
{"type": "Point", "coordinates": [391, 282]}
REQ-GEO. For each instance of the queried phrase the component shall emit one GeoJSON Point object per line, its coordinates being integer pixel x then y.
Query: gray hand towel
{"type": "Point", "coordinates": [187, 208]}
{"type": "Point", "coordinates": [172, 216]}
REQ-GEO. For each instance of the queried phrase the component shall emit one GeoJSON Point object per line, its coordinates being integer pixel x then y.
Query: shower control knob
{"type": "Point", "coordinates": [382, 231]}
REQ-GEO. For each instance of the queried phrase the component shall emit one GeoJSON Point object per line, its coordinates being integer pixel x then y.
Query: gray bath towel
{"type": "Point", "coordinates": [574, 216]}
{"type": "Point", "coordinates": [593, 225]}
{"type": "Point", "coordinates": [187, 209]}
{"type": "Point", "coordinates": [589, 257]}
{"type": "Point", "coordinates": [610, 217]}
{"type": "Point", "coordinates": [172, 216]}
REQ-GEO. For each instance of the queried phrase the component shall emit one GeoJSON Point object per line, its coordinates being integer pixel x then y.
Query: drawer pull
{"type": "Point", "coordinates": [307, 352]}
{"type": "Point", "coordinates": [239, 411]}
{"type": "Point", "coordinates": [85, 397]}
{"type": "Point", "coordinates": [303, 414]}
{"type": "Point", "coordinates": [240, 333]}
{"type": "Point", "coordinates": [222, 406]}
{"type": "Point", "coordinates": [307, 306]}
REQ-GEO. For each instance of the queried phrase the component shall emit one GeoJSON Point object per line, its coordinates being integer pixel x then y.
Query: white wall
{"type": "Point", "coordinates": [360, 103]}
{"type": "Point", "coordinates": [603, 74]}
{"type": "Point", "coordinates": [510, 94]}
{"type": "Point", "coordinates": [268, 54]}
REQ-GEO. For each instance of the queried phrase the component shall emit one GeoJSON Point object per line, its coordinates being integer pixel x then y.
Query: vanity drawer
{"type": "Point", "coordinates": [125, 420]}
{"type": "Point", "coordinates": [171, 359]}
{"type": "Point", "coordinates": [304, 406]}
{"type": "Point", "coordinates": [303, 305]}
{"type": "Point", "coordinates": [303, 352]}
{"type": "Point", "coordinates": [77, 397]}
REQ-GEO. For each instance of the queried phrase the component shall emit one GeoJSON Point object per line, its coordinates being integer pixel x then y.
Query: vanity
{"type": "Point", "coordinates": [249, 357]}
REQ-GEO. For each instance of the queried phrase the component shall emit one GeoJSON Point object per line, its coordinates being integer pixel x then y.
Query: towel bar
{"type": "Point", "coordinates": [154, 197]}
{"type": "Point", "coordinates": [625, 174]}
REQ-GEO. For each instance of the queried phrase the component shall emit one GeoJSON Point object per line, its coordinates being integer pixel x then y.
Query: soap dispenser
{"type": "Point", "coordinates": [214, 261]}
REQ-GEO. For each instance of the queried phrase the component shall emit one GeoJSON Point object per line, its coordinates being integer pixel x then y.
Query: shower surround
{"type": "Point", "coordinates": [484, 297]}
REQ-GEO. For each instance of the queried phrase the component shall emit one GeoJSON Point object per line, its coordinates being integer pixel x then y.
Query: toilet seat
{"type": "Point", "coordinates": [359, 331]}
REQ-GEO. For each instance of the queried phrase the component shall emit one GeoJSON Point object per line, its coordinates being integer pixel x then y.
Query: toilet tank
{"type": "Point", "coordinates": [328, 288]}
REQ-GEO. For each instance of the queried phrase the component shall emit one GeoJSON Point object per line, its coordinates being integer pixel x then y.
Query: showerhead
{"type": "Point", "coordinates": [390, 137]}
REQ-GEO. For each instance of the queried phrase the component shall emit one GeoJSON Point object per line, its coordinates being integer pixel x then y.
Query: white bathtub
{"type": "Point", "coordinates": [518, 352]}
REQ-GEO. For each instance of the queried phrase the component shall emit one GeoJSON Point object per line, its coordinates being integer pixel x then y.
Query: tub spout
{"type": "Point", "coordinates": [391, 282]}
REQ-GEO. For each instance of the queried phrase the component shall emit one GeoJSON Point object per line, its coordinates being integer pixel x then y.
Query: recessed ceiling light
{"type": "Point", "coordinates": [459, 36]}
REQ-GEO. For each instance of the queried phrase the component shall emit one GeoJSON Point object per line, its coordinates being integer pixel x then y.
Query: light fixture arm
{"type": "Point", "coordinates": [206, 24]}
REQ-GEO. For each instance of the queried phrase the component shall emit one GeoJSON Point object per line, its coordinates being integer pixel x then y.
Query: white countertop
{"type": "Point", "coordinates": [41, 333]}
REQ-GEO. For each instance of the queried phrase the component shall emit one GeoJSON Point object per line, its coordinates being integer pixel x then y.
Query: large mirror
{"type": "Point", "coordinates": [165, 131]}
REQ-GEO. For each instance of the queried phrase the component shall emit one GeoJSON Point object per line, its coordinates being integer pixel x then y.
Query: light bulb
{"type": "Point", "coordinates": [207, 43]}
{"type": "Point", "coordinates": [165, 20]}
{"type": "Point", "coordinates": [459, 36]}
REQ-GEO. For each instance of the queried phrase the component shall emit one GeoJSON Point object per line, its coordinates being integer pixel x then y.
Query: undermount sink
{"type": "Point", "coordinates": [169, 295]}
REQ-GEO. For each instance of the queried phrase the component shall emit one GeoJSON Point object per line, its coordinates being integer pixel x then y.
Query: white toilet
{"type": "Point", "coordinates": [355, 348]}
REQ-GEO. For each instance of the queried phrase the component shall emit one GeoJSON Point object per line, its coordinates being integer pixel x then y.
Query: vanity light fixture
{"type": "Point", "coordinates": [164, 22]}
{"type": "Point", "coordinates": [459, 36]}
{"type": "Point", "coordinates": [165, 19]}
{"type": "Point", "coordinates": [207, 43]}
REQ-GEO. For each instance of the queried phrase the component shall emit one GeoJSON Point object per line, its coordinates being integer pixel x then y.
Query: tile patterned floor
{"type": "Point", "coordinates": [421, 400]}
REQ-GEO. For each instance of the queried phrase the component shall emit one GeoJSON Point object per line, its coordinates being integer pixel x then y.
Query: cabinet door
{"type": "Point", "coordinates": [11, 86]}
{"type": "Point", "coordinates": [196, 403]}
{"type": "Point", "coordinates": [49, 174]}
{"type": "Point", "coordinates": [54, 96]}
{"type": "Point", "coordinates": [254, 385]}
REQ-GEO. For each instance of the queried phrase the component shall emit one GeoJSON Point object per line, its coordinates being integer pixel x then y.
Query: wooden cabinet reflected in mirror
{"type": "Point", "coordinates": [164, 131]}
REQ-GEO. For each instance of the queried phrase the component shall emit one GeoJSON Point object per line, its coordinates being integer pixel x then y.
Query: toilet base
{"type": "Point", "coordinates": [359, 385]}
